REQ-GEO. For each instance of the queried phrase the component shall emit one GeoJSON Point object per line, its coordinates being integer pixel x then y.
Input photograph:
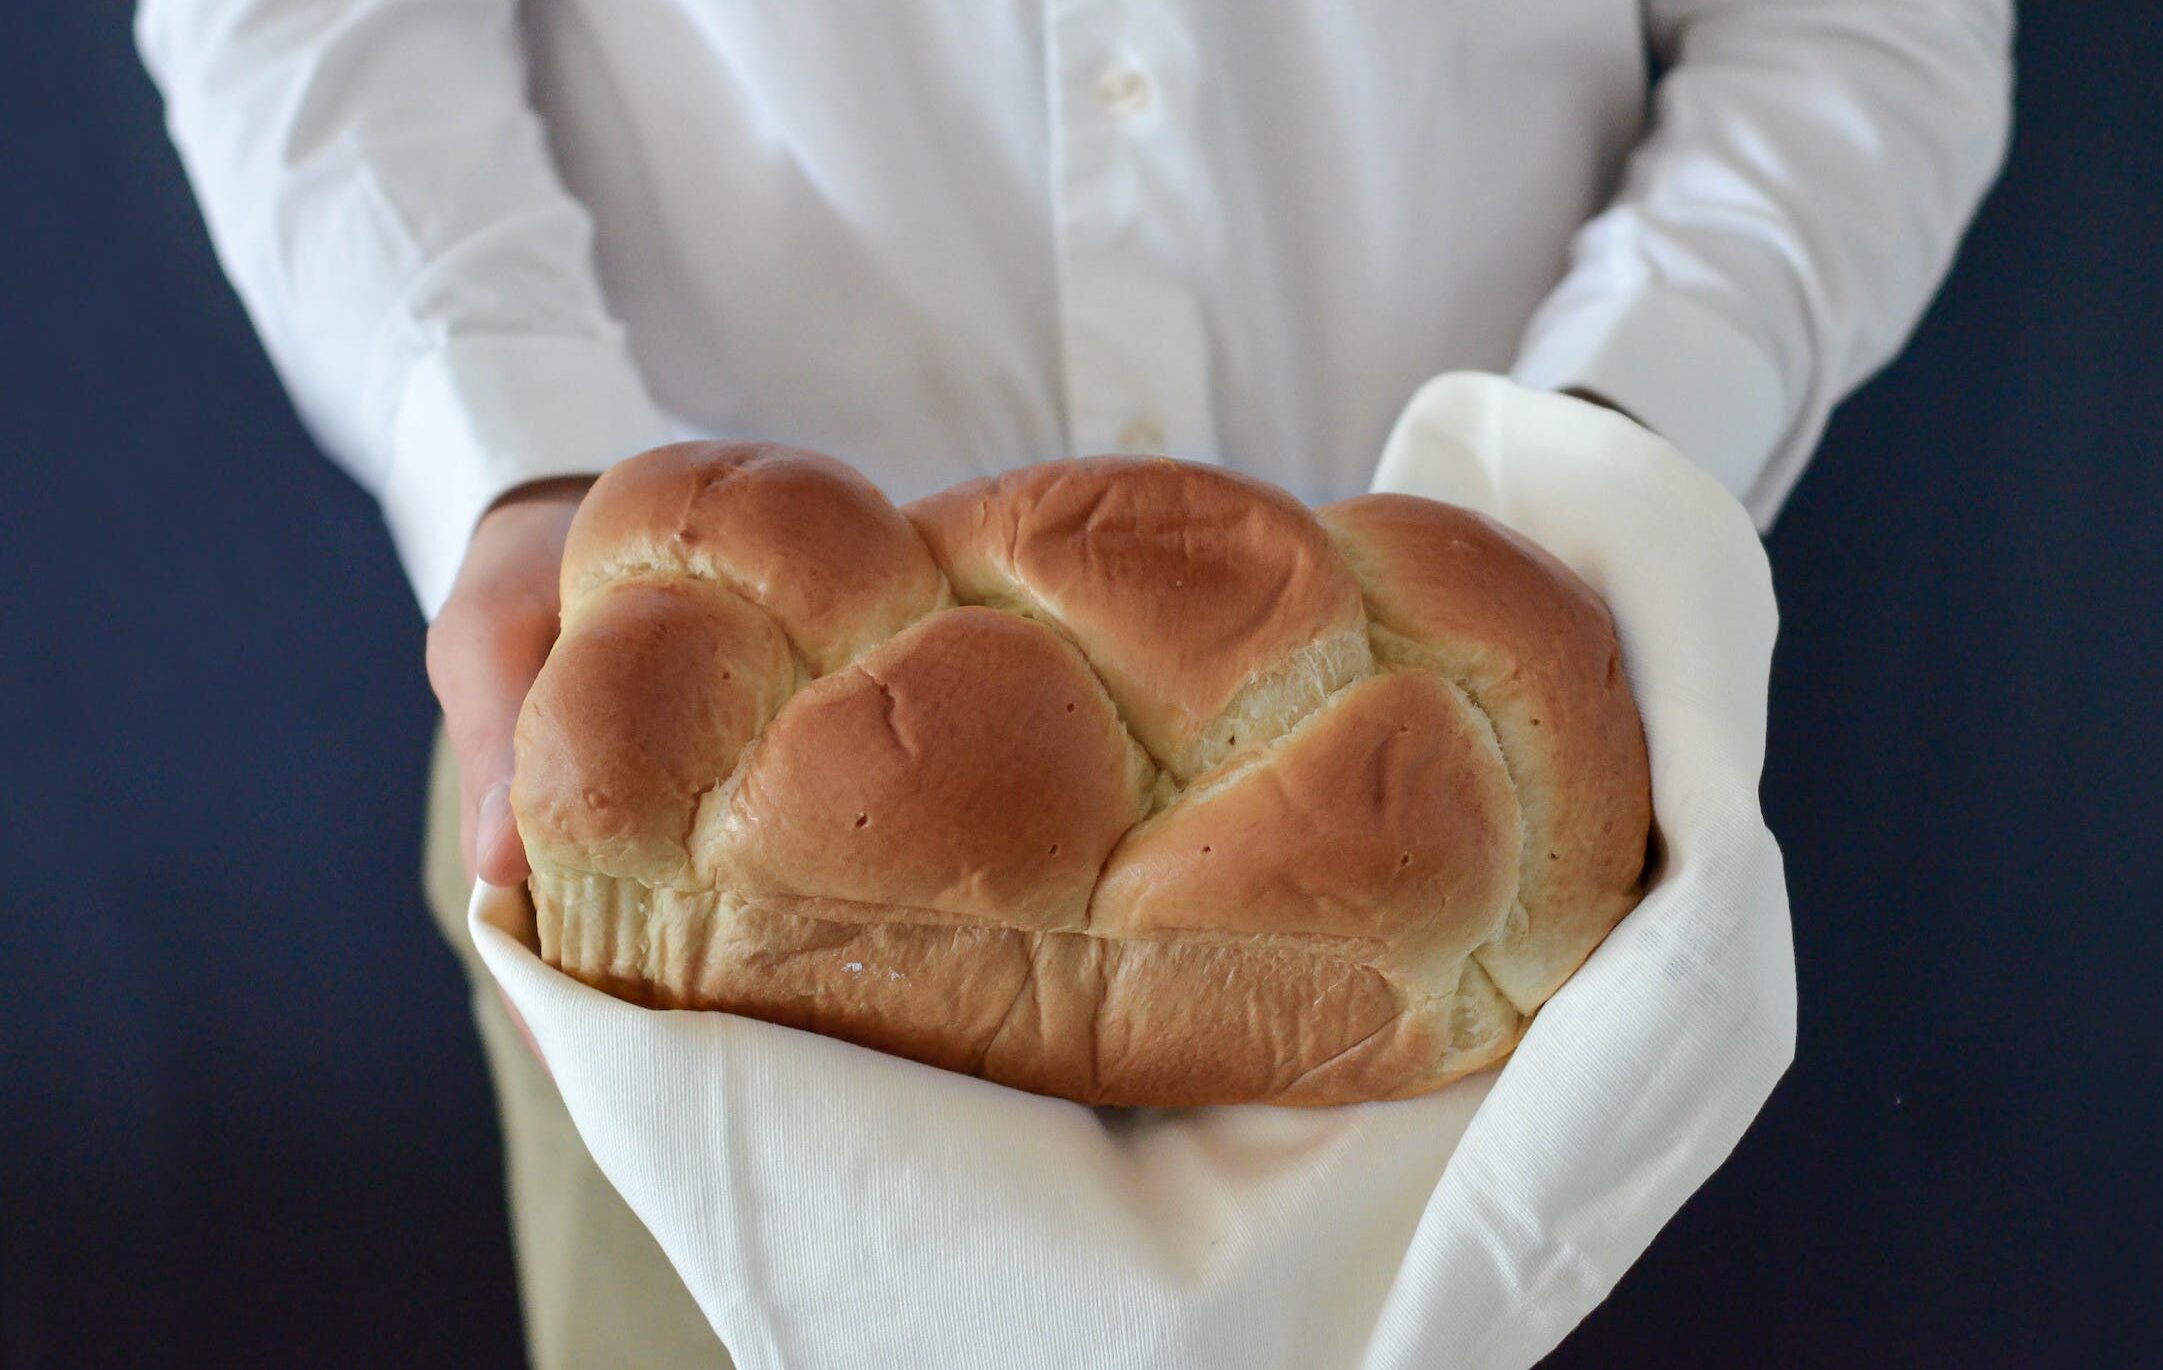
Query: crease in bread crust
{"type": "Point", "coordinates": [1022, 992]}
{"type": "Point", "coordinates": [1447, 1012]}
{"type": "Point", "coordinates": [1405, 654]}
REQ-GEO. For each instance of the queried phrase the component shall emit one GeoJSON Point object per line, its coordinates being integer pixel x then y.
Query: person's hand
{"type": "Point", "coordinates": [484, 650]}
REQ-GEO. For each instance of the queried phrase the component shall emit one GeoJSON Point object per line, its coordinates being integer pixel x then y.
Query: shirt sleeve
{"type": "Point", "coordinates": [381, 195]}
{"type": "Point", "coordinates": [1808, 172]}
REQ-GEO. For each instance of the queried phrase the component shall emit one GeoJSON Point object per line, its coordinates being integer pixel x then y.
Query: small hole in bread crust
{"type": "Point", "coordinates": [1205, 851]}
{"type": "Point", "coordinates": [1404, 860]}
{"type": "Point", "coordinates": [1054, 850]}
{"type": "Point", "coordinates": [862, 819]}
{"type": "Point", "coordinates": [1070, 708]}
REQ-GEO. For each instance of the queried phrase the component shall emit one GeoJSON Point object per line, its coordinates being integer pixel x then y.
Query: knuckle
{"type": "Point", "coordinates": [457, 630]}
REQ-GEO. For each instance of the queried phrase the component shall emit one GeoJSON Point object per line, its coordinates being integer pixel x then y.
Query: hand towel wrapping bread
{"type": "Point", "coordinates": [830, 1205]}
{"type": "Point", "coordinates": [1118, 779]}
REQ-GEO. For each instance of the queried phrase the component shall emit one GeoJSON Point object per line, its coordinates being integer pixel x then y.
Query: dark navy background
{"type": "Point", "coordinates": [243, 1120]}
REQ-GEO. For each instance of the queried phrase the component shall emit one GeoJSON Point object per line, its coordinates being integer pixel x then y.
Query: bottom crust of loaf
{"type": "Point", "coordinates": [1103, 1021]}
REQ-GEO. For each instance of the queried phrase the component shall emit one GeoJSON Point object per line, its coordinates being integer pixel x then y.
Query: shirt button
{"type": "Point", "coordinates": [1142, 438]}
{"type": "Point", "coordinates": [1124, 90]}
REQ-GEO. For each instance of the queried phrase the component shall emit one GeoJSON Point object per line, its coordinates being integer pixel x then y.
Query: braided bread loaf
{"type": "Point", "coordinates": [1118, 779]}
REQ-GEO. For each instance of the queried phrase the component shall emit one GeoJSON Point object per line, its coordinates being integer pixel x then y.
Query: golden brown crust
{"type": "Point", "coordinates": [1181, 584]}
{"type": "Point", "coordinates": [871, 786]}
{"type": "Point", "coordinates": [1197, 797]}
{"type": "Point", "coordinates": [1453, 592]}
{"type": "Point", "coordinates": [803, 536]}
{"type": "Point", "coordinates": [1385, 820]}
{"type": "Point", "coordinates": [648, 700]}
{"type": "Point", "coordinates": [1098, 1020]}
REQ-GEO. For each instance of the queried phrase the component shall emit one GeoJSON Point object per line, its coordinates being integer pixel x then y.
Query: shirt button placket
{"type": "Point", "coordinates": [1134, 352]}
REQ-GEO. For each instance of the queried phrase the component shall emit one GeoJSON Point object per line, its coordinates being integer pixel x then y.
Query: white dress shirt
{"type": "Point", "coordinates": [487, 242]}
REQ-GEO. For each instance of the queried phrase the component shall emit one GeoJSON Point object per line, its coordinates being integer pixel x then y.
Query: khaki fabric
{"type": "Point", "coordinates": [597, 1292]}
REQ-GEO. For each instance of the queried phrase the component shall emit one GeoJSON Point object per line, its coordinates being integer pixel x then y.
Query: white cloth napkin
{"type": "Point", "coordinates": [830, 1206]}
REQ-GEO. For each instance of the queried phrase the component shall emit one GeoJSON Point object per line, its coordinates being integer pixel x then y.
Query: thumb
{"type": "Point", "coordinates": [499, 856]}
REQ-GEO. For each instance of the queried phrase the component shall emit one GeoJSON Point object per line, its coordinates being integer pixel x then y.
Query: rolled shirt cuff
{"type": "Point", "coordinates": [481, 416]}
{"type": "Point", "coordinates": [1675, 366]}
